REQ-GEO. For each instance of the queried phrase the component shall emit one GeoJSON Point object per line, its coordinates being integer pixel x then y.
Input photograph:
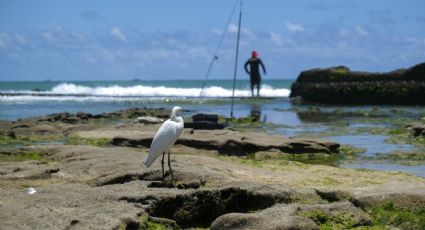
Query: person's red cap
{"type": "Point", "coordinates": [254, 54]}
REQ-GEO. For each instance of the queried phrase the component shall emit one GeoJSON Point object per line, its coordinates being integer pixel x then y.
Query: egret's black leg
{"type": "Point", "coordinates": [162, 164]}
{"type": "Point", "coordinates": [169, 166]}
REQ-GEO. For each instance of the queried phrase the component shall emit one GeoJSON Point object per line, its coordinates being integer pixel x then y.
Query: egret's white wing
{"type": "Point", "coordinates": [164, 138]}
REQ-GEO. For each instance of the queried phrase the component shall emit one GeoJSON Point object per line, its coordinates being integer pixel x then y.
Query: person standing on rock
{"type": "Point", "coordinates": [254, 71]}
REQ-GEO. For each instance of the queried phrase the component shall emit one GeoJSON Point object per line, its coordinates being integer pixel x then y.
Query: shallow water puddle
{"type": "Point", "coordinates": [417, 169]}
{"type": "Point", "coordinates": [373, 144]}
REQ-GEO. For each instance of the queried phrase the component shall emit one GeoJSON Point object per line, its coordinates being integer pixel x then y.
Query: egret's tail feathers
{"type": "Point", "coordinates": [147, 162]}
{"type": "Point", "coordinates": [149, 159]}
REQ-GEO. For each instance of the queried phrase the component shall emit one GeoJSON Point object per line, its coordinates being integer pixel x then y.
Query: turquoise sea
{"type": "Point", "coordinates": [278, 114]}
{"type": "Point", "coordinates": [25, 99]}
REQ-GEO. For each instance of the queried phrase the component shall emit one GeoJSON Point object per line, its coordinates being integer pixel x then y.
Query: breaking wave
{"type": "Point", "coordinates": [70, 91]}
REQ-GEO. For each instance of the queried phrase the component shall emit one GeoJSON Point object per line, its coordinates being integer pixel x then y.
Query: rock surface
{"type": "Point", "coordinates": [292, 216]}
{"type": "Point", "coordinates": [342, 86]}
{"type": "Point", "coordinates": [109, 188]}
{"type": "Point", "coordinates": [86, 187]}
{"type": "Point", "coordinates": [62, 124]}
{"type": "Point", "coordinates": [417, 129]}
{"type": "Point", "coordinates": [147, 120]}
{"type": "Point", "coordinates": [233, 142]}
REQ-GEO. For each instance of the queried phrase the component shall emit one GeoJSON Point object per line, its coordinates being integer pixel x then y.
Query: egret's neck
{"type": "Point", "coordinates": [176, 118]}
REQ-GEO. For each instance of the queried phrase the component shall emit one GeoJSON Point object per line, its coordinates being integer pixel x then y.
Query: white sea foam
{"type": "Point", "coordinates": [31, 98]}
{"type": "Point", "coordinates": [69, 91]}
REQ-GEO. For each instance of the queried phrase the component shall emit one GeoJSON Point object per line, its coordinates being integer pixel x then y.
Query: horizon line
{"type": "Point", "coordinates": [136, 79]}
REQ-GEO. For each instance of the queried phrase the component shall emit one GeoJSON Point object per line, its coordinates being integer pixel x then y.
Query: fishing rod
{"type": "Point", "coordinates": [236, 61]}
{"type": "Point", "coordinates": [215, 56]}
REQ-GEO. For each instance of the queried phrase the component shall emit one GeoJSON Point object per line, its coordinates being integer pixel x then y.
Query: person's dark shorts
{"type": "Point", "coordinates": [255, 80]}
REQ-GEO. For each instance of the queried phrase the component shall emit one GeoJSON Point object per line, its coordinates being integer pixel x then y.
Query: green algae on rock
{"type": "Point", "coordinates": [341, 86]}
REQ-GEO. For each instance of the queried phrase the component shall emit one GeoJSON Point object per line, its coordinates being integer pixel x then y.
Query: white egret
{"type": "Point", "coordinates": [164, 138]}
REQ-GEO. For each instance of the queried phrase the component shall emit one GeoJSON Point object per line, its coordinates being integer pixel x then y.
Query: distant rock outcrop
{"type": "Point", "coordinates": [340, 85]}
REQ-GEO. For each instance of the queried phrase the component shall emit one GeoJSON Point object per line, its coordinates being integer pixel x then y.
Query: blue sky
{"type": "Point", "coordinates": [168, 39]}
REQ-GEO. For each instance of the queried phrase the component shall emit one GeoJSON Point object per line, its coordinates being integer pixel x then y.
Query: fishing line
{"type": "Point", "coordinates": [215, 57]}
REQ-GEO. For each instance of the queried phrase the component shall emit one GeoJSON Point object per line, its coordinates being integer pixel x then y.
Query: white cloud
{"type": "Point", "coordinates": [344, 32]}
{"type": "Point", "coordinates": [20, 39]}
{"type": "Point", "coordinates": [216, 31]}
{"type": "Point", "coordinates": [292, 27]}
{"type": "Point", "coordinates": [50, 35]}
{"type": "Point", "coordinates": [13, 55]}
{"type": "Point", "coordinates": [160, 53]}
{"type": "Point", "coordinates": [232, 28]}
{"type": "Point", "coordinates": [151, 55]}
{"type": "Point", "coordinates": [415, 41]}
{"type": "Point", "coordinates": [360, 31]}
{"type": "Point", "coordinates": [118, 34]}
{"type": "Point", "coordinates": [246, 33]}
{"type": "Point", "coordinates": [91, 60]}
{"type": "Point", "coordinates": [276, 38]}
{"type": "Point", "coordinates": [112, 54]}
{"type": "Point", "coordinates": [3, 43]}
{"type": "Point", "coordinates": [199, 53]}
{"type": "Point", "coordinates": [56, 38]}
{"type": "Point", "coordinates": [11, 41]}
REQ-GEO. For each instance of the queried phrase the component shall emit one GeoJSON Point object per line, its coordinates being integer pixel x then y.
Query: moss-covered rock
{"type": "Point", "coordinates": [403, 218]}
{"type": "Point", "coordinates": [21, 156]}
{"type": "Point", "coordinates": [342, 86]}
{"type": "Point", "coordinates": [76, 140]}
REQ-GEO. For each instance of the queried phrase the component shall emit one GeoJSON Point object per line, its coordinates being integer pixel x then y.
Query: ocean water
{"type": "Point", "coordinates": [152, 88]}
{"type": "Point", "coordinates": [27, 99]}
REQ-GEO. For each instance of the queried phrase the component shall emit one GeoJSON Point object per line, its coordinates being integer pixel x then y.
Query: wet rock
{"type": "Point", "coordinates": [205, 121]}
{"type": "Point", "coordinates": [42, 129]}
{"type": "Point", "coordinates": [414, 200]}
{"type": "Point", "coordinates": [206, 125]}
{"type": "Point", "coordinates": [200, 208]}
{"type": "Point", "coordinates": [333, 195]}
{"type": "Point", "coordinates": [133, 113]}
{"type": "Point", "coordinates": [295, 216]}
{"type": "Point", "coordinates": [277, 217]}
{"type": "Point", "coordinates": [27, 170]}
{"type": "Point", "coordinates": [193, 184]}
{"type": "Point", "coordinates": [211, 117]}
{"type": "Point", "coordinates": [84, 116]}
{"type": "Point", "coordinates": [344, 213]}
{"type": "Point", "coordinates": [342, 86]}
{"type": "Point", "coordinates": [170, 224]}
{"type": "Point", "coordinates": [237, 143]}
{"type": "Point", "coordinates": [416, 129]}
{"type": "Point", "coordinates": [147, 120]}
{"type": "Point", "coordinates": [70, 118]}
{"type": "Point", "coordinates": [182, 180]}
{"type": "Point", "coordinates": [56, 117]}
{"type": "Point", "coordinates": [65, 206]}
{"type": "Point", "coordinates": [88, 187]}
{"type": "Point", "coordinates": [11, 134]}
{"type": "Point", "coordinates": [59, 125]}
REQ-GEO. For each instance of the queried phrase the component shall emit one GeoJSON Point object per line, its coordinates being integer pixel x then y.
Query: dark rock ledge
{"type": "Point", "coordinates": [236, 143]}
{"type": "Point", "coordinates": [340, 85]}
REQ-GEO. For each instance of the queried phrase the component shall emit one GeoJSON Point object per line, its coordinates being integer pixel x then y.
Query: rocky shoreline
{"type": "Point", "coordinates": [98, 181]}
{"type": "Point", "coordinates": [340, 85]}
